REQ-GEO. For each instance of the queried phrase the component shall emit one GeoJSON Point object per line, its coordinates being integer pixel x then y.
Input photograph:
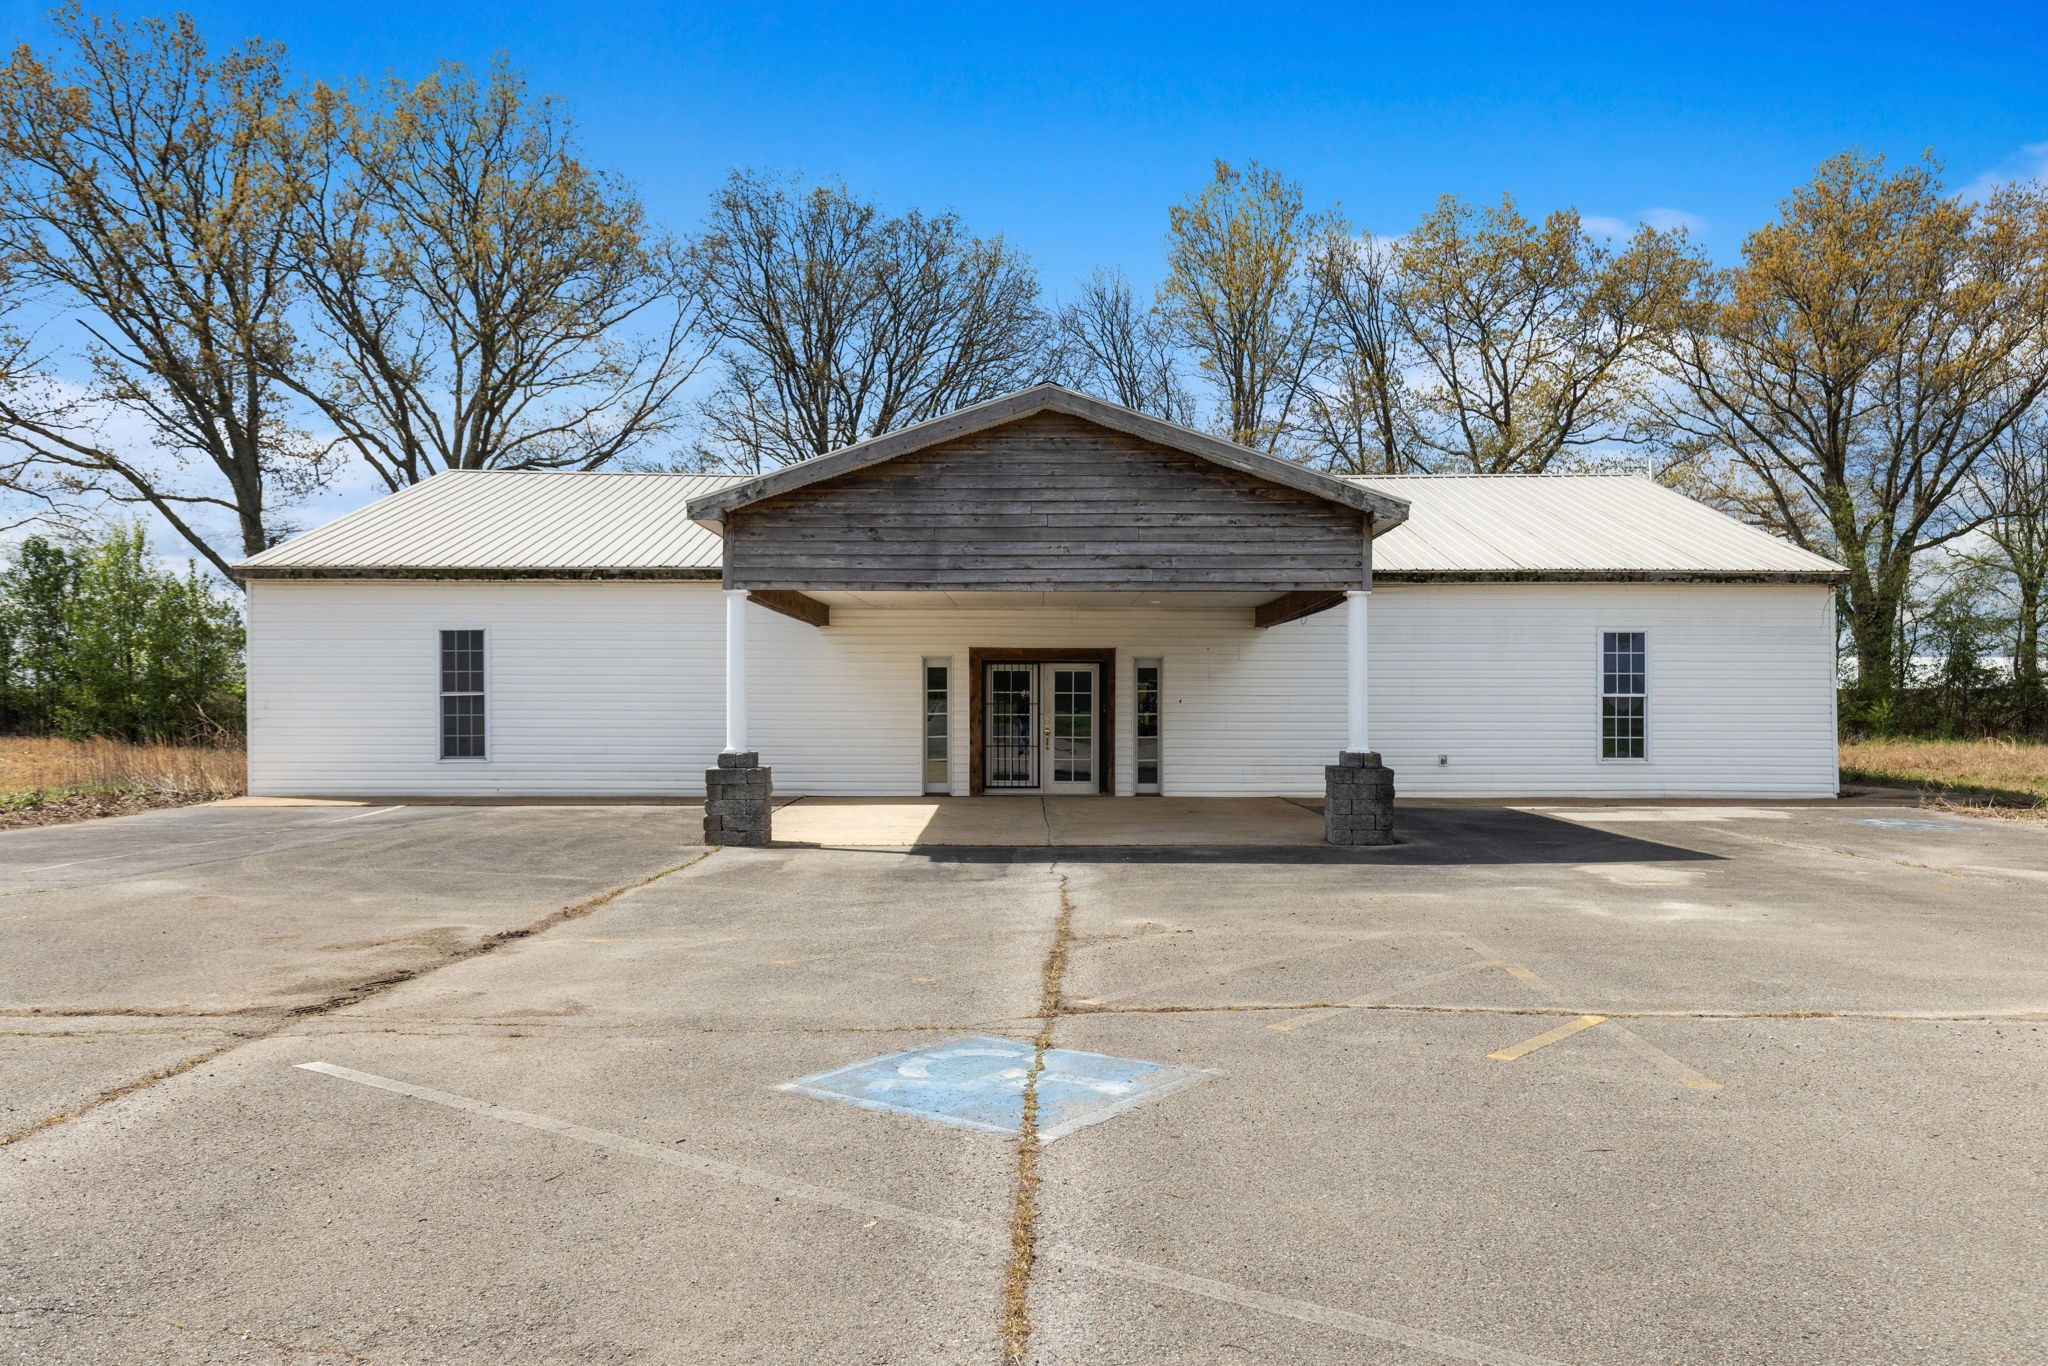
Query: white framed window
{"type": "Point", "coordinates": [938, 725]}
{"type": "Point", "coordinates": [1624, 696]}
{"type": "Point", "coordinates": [1145, 724]}
{"type": "Point", "coordinates": [464, 719]}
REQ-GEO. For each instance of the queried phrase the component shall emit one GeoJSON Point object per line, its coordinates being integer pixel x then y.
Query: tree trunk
{"type": "Point", "coordinates": [2030, 701]}
{"type": "Point", "coordinates": [1873, 622]}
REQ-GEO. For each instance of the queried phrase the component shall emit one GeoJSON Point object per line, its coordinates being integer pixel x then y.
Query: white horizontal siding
{"type": "Point", "coordinates": [1503, 681]}
{"type": "Point", "coordinates": [593, 689]}
{"type": "Point", "coordinates": [616, 688]}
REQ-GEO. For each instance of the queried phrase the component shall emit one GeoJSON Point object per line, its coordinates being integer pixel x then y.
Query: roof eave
{"type": "Point", "coordinates": [1831, 577]}
{"type": "Point", "coordinates": [560, 573]}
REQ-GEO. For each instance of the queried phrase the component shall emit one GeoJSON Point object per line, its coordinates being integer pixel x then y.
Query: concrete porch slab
{"type": "Point", "coordinates": [1041, 822]}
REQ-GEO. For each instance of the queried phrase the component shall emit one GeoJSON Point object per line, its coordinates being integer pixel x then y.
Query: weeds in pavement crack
{"type": "Point", "coordinates": [1016, 1318]}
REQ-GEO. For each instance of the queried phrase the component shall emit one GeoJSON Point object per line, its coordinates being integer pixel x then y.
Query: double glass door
{"type": "Point", "coordinates": [1043, 728]}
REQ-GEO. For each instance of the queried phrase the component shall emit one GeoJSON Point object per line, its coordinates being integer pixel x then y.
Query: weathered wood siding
{"type": "Point", "coordinates": [1047, 503]}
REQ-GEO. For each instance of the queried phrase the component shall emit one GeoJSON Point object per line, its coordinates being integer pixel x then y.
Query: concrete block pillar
{"type": "Point", "coordinates": [737, 793]}
{"type": "Point", "coordinates": [736, 801]}
{"type": "Point", "coordinates": [1358, 800]}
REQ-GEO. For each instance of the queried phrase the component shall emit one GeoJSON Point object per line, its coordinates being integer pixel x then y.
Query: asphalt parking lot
{"type": "Point", "coordinates": [1600, 1085]}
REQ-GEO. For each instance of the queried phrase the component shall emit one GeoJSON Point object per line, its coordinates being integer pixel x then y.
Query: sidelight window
{"type": "Point", "coordinates": [1145, 724]}
{"type": "Point", "coordinates": [937, 725]}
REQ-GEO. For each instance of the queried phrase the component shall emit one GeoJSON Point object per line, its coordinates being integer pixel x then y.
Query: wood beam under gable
{"type": "Point", "coordinates": [801, 606]}
{"type": "Point", "coordinates": [1293, 607]}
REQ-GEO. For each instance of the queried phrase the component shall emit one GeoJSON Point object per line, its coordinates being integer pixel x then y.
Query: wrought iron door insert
{"type": "Point", "coordinates": [1010, 731]}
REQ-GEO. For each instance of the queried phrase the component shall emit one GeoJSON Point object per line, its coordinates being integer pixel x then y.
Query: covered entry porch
{"type": "Point", "coordinates": [1070, 572]}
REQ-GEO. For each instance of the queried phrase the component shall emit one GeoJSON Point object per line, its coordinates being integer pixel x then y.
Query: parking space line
{"type": "Point", "coordinates": [994, 1239]}
{"type": "Point", "coordinates": [1621, 1034]}
{"type": "Point", "coordinates": [139, 853]}
{"type": "Point", "coordinates": [361, 815]}
{"type": "Point", "coordinates": [1664, 1062]}
{"type": "Point", "coordinates": [1547, 1038]}
{"type": "Point", "coordinates": [1377, 998]}
{"type": "Point", "coordinates": [1212, 972]}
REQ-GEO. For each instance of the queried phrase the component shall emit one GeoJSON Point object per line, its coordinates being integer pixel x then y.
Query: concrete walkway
{"type": "Point", "coordinates": [1038, 822]}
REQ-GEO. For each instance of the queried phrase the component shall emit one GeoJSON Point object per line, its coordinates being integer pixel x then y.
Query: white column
{"type": "Point", "coordinates": [735, 671]}
{"type": "Point", "coordinates": [1354, 669]}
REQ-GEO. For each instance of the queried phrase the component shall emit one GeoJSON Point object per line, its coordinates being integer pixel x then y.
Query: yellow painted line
{"type": "Point", "coordinates": [1390, 994]}
{"type": "Point", "coordinates": [1547, 1038]}
{"type": "Point", "coordinates": [1516, 970]}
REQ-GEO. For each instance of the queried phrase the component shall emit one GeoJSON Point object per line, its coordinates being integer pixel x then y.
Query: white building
{"type": "Point", "coordinates": [1045, 593]}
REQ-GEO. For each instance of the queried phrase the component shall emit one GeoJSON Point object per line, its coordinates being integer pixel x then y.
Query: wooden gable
{"type": "Point", "coordinates": [1046, 502]}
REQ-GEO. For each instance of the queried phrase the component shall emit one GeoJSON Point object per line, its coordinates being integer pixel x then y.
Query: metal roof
{"type": "Point", "coordinates": [548, 524]}
{"type": "Point", "coordinates": [1563, 526]}
{"type": "Point", "coordinates": [517, 523]}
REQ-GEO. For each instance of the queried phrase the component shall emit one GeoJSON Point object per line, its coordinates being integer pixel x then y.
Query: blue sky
{"type": "Point", "coordinates": [1070, 129]}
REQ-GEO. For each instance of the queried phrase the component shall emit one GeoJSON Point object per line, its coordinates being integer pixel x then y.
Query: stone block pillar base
{"type": "Point", "coordinates": [1358, 800]}
{"type": "Point", "coordinates": [736, 801]}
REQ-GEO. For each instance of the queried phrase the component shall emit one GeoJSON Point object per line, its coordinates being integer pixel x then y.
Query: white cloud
{"type": "Point", "coordinates": [2030, 164]}
{"type": "Point", "coordinates": [1662, 219]}
{"type": "Point", "coordinates": [1668, 220]}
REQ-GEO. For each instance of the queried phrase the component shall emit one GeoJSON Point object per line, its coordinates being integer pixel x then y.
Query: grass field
{"type": "Point", "coordinates": [44, 781]}
{"type": "Point", "coordinates": [2010, 772]}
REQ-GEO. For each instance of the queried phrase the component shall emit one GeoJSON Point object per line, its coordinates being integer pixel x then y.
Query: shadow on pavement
{"type": "Point", "coordinates": [1428, 836]}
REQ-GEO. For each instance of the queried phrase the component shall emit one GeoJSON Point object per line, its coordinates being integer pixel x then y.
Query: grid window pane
{"type": "Point", "coordinates": [462, 694]}
{"type": "Point", "coordinates": [937, 726]}
{"type": "Point", "coordinates": [462, 661]}
{"type": "Point", "coordinates": [1073, 725]}
{"type": "Point", "coordinates": [1624, 695]}
{"type": "Point", "coordinates": [462, 726]}
{"type": "Point", "coordinates": [1621, 728]}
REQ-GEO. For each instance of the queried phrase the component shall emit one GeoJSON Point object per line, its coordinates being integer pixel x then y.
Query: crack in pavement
{"type": "Point", "coordinates": [987, 1236]}
{"type": "Point", "coordinates": [1015, 1322]}
{"type": "Point", "coordinates": [351, 996]}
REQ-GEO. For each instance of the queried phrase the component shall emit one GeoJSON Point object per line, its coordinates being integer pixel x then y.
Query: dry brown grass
{"type": "Point", "coordinates": [2008, 771]}
{"type": "Point", "coordinates": [93, 774]}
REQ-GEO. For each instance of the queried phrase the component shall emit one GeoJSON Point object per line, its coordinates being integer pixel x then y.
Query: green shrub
{"type": "Point", "coordinates": [98, 639]}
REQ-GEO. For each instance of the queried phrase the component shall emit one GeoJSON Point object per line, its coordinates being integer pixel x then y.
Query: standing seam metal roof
{"type": "Point", "coordinates": [489, 523]}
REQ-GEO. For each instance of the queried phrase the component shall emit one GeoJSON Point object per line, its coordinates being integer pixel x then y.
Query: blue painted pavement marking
{"type": "Point", "coordinates": [1912, 825]}
{"type": "Point", "coordinates": [978, 1083]}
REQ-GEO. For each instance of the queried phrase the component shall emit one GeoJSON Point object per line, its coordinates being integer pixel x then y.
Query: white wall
{"type": "Point", "coordinates": [616, 688]}
{"type": "Point", "coordinates": [587, 687]}
{"type": "Point", "coordinates": [1504, 681]}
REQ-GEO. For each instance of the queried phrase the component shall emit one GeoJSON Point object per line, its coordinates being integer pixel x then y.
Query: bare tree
{"type": "Point", "coordinates": [2012, 484]}
{"type": "Point", "coordinates": [1877, 340]}
{"type": "Point", "coordinates": [1530, 337]}
{"type": "Point", "coordinates": [146, 191]}
{"type": "Point", "coordinates": [1356, 409]}
{"type": "Point", "coordinates": [1240, 296]}
{"type": "Point", "coordinates": [480, 298]}
{"type": "Point", "coordinates": [839, 323]}
{"type": "Point", "coordinates": [1106, 343]}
